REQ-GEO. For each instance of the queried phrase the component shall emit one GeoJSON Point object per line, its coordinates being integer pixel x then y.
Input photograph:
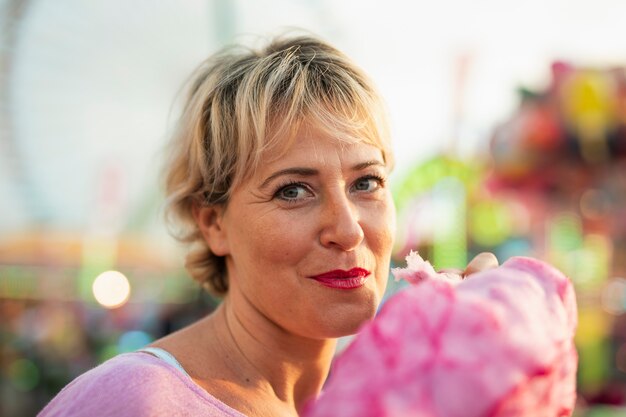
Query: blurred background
{"type": "Point", "coordinates": [509, 122]}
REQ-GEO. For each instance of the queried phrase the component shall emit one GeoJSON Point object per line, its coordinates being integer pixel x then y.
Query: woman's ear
{"type": "Point", "coordinates": [210, 222]}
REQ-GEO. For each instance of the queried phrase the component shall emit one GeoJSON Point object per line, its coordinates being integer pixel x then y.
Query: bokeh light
{"type": "Point", "coordinates": [111, 289]}
{"type": "Point", "coordinates": [620, 358]}
{"type": "Point", "coordinates": [481, 165]}
{"type": "Point", "coordinates": [565, 232]}
{"type": "Point", "coordinates": [490, 222]}
{"type": "Point", "coordinates": [595, 203]}
{"type": "Point", "coordinates": [133, 340]}
{"type": "Point", "coordinates": [614, 296]}
{"type": "Point", "coordinates": [450, 240]}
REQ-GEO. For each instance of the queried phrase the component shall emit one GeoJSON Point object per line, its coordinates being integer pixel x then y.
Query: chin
{"type": "Point", "coordinates": [347, 324]}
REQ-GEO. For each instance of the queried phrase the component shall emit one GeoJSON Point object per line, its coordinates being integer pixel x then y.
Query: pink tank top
{"type": "Point", "coordinates": [143, 383]}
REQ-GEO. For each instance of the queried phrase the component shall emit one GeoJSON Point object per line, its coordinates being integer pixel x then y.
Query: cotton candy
{"type": "Point", "coordinates": [497, 344]}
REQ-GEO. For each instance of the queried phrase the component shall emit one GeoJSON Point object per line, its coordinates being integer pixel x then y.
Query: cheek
{"type": "Point", "coordinates": [380, 227]}
{"type": "Point", "coordinates": [391, 227]}
{"type": "Point", "coordinates": [274, 239]}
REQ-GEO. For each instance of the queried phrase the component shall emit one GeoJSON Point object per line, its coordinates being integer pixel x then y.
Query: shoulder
{"type": "Point", "coordinates": [129, 384]}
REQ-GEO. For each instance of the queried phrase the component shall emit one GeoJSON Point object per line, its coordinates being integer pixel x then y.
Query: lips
{"type": "Point", "coordinates": [343, 280]}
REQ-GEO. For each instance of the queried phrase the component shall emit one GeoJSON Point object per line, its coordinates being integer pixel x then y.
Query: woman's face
{"type": "Point", "coordinates": [309, 237]}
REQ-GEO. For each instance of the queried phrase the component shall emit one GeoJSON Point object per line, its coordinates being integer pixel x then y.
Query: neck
{"type": "Point", "coordinates": [289, 367]}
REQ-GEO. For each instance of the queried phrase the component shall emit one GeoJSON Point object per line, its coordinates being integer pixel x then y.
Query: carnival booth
{"type": "Point", "coordinates": [552, 186]}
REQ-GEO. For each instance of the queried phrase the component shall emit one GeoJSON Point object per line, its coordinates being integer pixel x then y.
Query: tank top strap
{"type": "Point", "coordinates": [165, 356]}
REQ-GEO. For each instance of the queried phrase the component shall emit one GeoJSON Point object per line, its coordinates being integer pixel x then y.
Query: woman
{"type": "Point", "coordinates": [278, 175]}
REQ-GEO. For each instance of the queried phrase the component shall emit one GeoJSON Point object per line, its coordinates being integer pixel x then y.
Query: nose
{"type": "Point", "coordinates": [340, 224]}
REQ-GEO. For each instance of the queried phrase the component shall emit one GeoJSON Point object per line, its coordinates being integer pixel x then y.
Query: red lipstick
{"type": "Point", "coordinates": [343, 280]}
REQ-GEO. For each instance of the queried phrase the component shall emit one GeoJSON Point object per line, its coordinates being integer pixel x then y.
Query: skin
{"type": "Point", "coordinates": [481, 262]}
{"type": "Point", "coordinates": [321, 205]}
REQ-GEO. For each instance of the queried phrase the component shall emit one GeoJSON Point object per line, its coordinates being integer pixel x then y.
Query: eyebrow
{"type": "Point", "coordinates": [367, 164]}
{"type": "Point", "coordinates": [309, 172]}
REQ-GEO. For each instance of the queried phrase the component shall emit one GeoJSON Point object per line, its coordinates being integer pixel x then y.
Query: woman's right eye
{"type": "Point", "coordinates": [292, 192]}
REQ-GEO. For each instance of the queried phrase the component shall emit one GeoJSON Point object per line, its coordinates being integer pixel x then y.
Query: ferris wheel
{"type": "Point", "coordinates": [86, 90]}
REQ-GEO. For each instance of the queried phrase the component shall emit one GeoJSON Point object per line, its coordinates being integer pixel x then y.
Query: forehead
{"type": "Point", "coordinates": [315, 147]}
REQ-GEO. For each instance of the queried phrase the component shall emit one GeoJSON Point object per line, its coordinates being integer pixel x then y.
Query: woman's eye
{"type": "Point", "coordinates": [292, 192]}
{"type": "Point", "coordinates": [367, 184]}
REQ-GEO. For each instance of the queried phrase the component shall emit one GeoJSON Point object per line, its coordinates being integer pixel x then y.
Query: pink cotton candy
{"type": "Point", "coordinates": [418, 269]}
{"type": "Point", "coordinates": [498, 344]}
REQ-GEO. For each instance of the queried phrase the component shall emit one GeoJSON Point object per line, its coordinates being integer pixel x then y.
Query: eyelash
{"type": "Point", "coordinates": [288, 184]}
{"type": "Point", "coordinates": [378, 178]}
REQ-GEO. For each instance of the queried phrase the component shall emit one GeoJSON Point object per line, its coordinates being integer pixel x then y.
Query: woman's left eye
{"type": "Point", "coordinates": [368, 184]}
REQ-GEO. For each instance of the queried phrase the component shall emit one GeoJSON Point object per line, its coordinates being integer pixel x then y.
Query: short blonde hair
{"type": "Point", "coordinates": [242, 102]}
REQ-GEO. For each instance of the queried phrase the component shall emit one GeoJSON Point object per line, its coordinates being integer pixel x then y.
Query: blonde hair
{"type": "Point", "coordinates": [242, 102]}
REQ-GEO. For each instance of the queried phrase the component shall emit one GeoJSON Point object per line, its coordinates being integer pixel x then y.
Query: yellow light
{"type": "Point", "coordinates": [111, 289]}
{"type": "Point", "coordinates": [613, 300]}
